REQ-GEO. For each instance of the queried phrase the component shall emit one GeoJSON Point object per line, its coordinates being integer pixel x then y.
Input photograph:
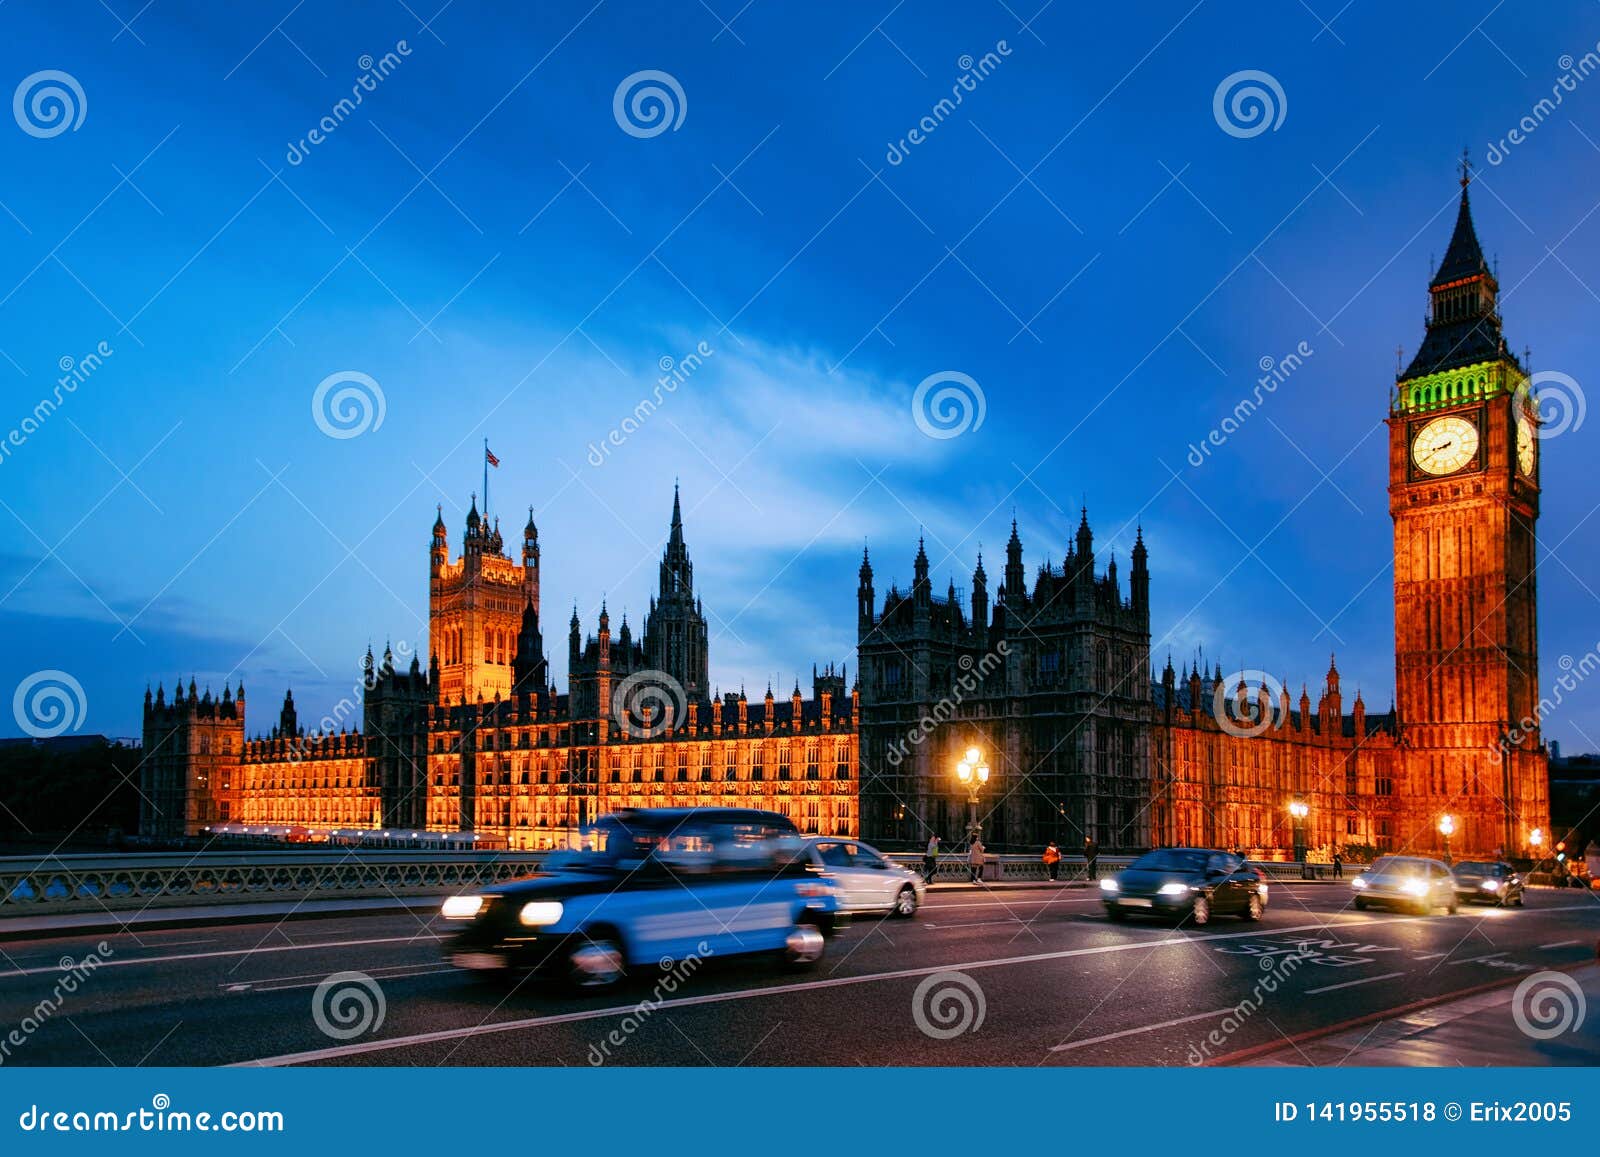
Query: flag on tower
{"type": "Point", "coordinates": [488, 456]}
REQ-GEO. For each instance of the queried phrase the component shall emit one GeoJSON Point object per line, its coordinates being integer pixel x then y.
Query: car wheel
{"type": "Point", "coordinates": [596, 962]}
{"type": "Point", "coordinates": [1200, 914]}
{"type": "Point", "coordinates": [1116, 915]}
{"type": "Point", "coordinates": [804, 946]}
{"type": "Point", "coordinates": [1453, 908]}
{"type": "Point", "coordinates": [905, 903]}
{"type": "Point", "coordinates": [1361, 905]}
{"type": "Point", "coordinates": [1519, 899]}
{"type": "Point", "coordinates": [1252, 909]}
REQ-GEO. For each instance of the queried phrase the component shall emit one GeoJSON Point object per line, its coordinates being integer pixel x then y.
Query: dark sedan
{"type": "Point", "coordinates": [1486, 882]}
{"type": "Point", "coordinates": [1190, 884]}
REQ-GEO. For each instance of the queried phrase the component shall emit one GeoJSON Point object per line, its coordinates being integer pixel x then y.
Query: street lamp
{"type": "Point", "coordinates": [1535, 841]}
{"type": "Point", "coordinates": [1447, 827]}
{"type": "Point", "coordinates": [973, 773]}
{"type": "Point", "coordinates": [1299, 811]}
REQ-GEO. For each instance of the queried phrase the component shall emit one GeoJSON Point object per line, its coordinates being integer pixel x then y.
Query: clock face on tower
{"type": "Point", "coordinates": [1445, 445]}
{"type": "Point", "coordinates": [1525, 437]}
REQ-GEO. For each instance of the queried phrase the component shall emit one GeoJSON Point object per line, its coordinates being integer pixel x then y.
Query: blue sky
{"type": "Point", "coordinates": [483, 239]}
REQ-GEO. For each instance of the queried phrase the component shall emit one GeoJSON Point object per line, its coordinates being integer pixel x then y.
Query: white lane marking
{"type": "Point", "coordinates": [973, 923]}
{"type": "Point", "coordinates": [128, 961]}
{"type": "Point", "coordinates": [420, 970]}
{"type": "Point", "coordinates": [1094, 1040]}
{"type": "Point", "coordinates": [1352, 983]}
{"type": "Point", "coordinates": [377, 973]}
{"type": "Point", "coordinates": [1432, 956]}
{"type": "Point", "coordinates": [928, 905]}
{"type": "Point", "coordinates": [1559, 944]}
{"type": "Point", "coordinates": [773, 990]}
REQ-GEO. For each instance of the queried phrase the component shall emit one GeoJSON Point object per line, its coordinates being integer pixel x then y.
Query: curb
{"type": "Point", "coordinates": [157, 919]}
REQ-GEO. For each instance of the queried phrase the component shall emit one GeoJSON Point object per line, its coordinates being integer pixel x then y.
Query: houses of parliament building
{"type": "Point", "coordinates": [1051, 678]}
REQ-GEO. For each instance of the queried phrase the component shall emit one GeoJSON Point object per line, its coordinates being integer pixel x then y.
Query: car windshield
{"type": "Point", "coordinates": [689, 845]}
{"type": "Point", "coordinates": [1395, 866]}
{"type": "Point", "coordinates": [1170, 860]}
{"type": "Point", "coordinates": [1478, 868]}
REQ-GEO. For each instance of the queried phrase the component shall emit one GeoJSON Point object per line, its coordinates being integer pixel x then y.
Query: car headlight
{"type": "Point", "coordinates": [461, 907]}
{"type": "Point", "coordinates": [540, 912]}
{"type": "Point", "coordinates": [1490, 885]}
{"type": "Point", "coordinates": [1359, 883]}
{"type": "Point", "coordinates": [1416, 887]}
{"type": "Point", "coordinates": [1174, 889]}
{"type": "Point", "coordinates": [1108, 885]}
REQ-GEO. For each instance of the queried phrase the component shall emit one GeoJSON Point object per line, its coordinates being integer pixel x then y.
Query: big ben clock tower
{"type": "Point", "coordinates": [1464, 495]}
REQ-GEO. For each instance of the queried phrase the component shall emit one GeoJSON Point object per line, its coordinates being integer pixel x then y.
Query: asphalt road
{"type": "Point", "coordinates": [1044, 979]}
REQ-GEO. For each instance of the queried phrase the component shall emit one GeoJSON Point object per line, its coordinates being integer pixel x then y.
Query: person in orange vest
{"type": "Point", "coordinates": [1052, 860]}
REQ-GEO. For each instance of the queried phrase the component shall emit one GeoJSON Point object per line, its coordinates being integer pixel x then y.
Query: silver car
{"type": "Point", "coordinates": [863, 879]}
{"type": "Point", "coordinates": [1410, 883]}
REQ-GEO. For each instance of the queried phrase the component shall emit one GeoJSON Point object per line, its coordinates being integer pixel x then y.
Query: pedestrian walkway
{"type": "Point", "coordinates": [1501, 1027]}
{"type": "Point", "coordinates": [86, 921]}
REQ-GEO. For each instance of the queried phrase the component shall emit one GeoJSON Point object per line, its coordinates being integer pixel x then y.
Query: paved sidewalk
{"type": "Point", "coordinates": [1474, 1031]}
{"type": "Point", "coordinates": [87, 921]}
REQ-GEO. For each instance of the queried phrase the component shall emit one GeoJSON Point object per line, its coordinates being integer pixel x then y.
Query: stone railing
{"type": "Point", "coordinates": [30, 885]}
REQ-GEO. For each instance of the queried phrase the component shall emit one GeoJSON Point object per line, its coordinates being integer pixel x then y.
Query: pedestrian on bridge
{"type": "Point", "coordinates": [975, 859]}
{"type": "Point", "coordinates": [1091, 857]}
{"type": "Point", "coordinates": [930, 860]}
{"type": "Point", "coordinates": [1052, 860]}
{"type": "Point", "coordinates": [1338, 864]}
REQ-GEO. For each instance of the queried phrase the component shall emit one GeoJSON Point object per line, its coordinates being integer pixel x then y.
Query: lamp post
{"type": "Point", "coordinates": [1298, 810]}
{"type": "Point", "coordinates": [973, 773]}
{"type": "Point", "coordinates": [1535, 844]}
{"type": "Point", "coordinates": [1447, 827]}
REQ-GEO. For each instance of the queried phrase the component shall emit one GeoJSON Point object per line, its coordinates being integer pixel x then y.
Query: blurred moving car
{"type": "Point", "coordinates": [866, 882]}
{"type": "Point", "coordinates": [650, 885]}
{"type": "Point", "coordinates": [1191, 884]}
{"type": "Point", "coordinates": [1488, 882]}
{"type": "Point", "coordinates": [1411, 883]}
